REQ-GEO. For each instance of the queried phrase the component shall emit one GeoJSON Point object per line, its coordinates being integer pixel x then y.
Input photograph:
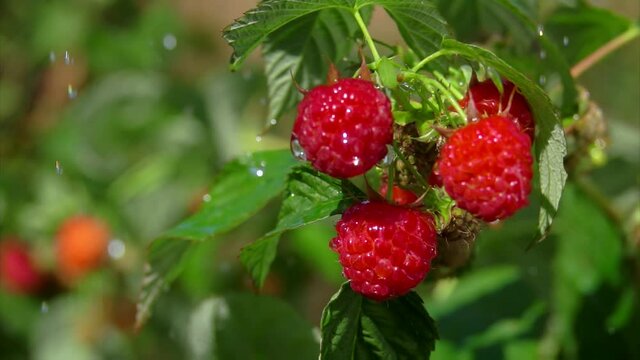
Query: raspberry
{"type": "Point", "coordinates": [486, 167]}
{"type": "Point", "coordinates": [81, 246]}
{"type": "Point", "coordinates": [399, 195]}
{"type": "Point", "coordinates": [385, 250]}
{"type": "Point", "coordinates": [343, 129]}
{"type": "Point", "coordinates": [488, 101]}
{"type": "Point", "coordinates": [18, 272]}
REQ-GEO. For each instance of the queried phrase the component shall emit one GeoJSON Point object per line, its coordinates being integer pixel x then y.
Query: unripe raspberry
{"type": "Point", "coordinates": [343, 129]}
{"type": "Point", "coordinates": [18, 271]}
{"type": "Point", "coordinates": [488, 101]}
{"type": "Point", "coordinates": [81, 246]}
{"type": "Point", "coordinates": [385, 250]}
{"type": "Point", "coordinates": [486, 168]}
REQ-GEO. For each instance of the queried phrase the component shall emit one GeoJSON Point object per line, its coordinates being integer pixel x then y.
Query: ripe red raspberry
{"type": "Point", "coordinates": [18, 272]}
{"type": "Point", "coordinates": [488, 101]}
{"type": "Point", "coordinates": [385, 250]}
{"type": "Point", "coordinates": [343, 128]}
{"type": "Point", "coordinates": [486, 167]}
{"type": "Point", "coordinates": [399, 195]}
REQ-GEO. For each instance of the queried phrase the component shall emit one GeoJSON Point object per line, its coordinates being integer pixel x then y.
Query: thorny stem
{"type": "Point", "coordinates": [367, 36]}
{"type": "Point", "coordinates": [605, 50]}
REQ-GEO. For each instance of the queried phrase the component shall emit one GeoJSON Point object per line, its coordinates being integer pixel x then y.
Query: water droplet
{"type": "Point", "coordinates": [576, 117]}
{"type": "Point", "coordinates": [565, 40]}
{"type": "Point", "coordinates": [297, 150]}
{"type": "Point", "coordinates": [542, 80]}
{"type": "Point", "coordinates": [258, 138]}
{"type": "Point", "coordinates": [71, 92]}
{"type": "Point", "coordinates": [59, 169]}
{"type": "Point", "coordinates": [68, 60]}
{"type": "Point", "coordinates": [44, 307]}
{"type": "Point", "coordinates": [273, 122]}
{"type": "Point", "coordinates": [52, 56]}
{"type": "Point", "coordinates": [116, 249]}
{"type": "Point", "coordinates": [355, 161]}
{"type": "Point", "coordinates": [407, 87]}
{"type": "Point", "coordinates": [543, 54]}
{"type": "Point", "coordinates": [540, 30]}
{"type": "Point", "coordinates": [206, 197]}
{"type": "Point", "coordinates": [257, 171]}
{"type": "Point", "coordinates": [169, 41]}
{"type": "Point", "coordinates": [388, 158]}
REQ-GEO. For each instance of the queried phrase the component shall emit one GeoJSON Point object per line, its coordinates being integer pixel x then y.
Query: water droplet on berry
{"type": "Point", "coordinates": [59, 169]}
{"type": "Point", "coordinates": [355, 161]}
{"type": "Point", "coordinates": [565, 40]}
{"type": "Point", "coordinates": [116, 249]}
{"type": "Point", "coordinates": [297, 150]}
{"type": "Point", "coordinates": [540, 30]}
{"type": "Point", "coordinates": [169, 41]}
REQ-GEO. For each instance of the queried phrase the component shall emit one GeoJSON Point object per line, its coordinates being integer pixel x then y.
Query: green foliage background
{"type": "Point", "coordinates": [135, 103]}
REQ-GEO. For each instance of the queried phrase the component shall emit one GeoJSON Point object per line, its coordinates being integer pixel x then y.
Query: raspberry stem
{"type": "Point", "coordinates": [429, 82]}
{"type": "Point", "coordinates": [429, 58]}
{"type": "Point", "coordinates": [412, 168]}
{"type": "Point", "coordinates": [367, 36]}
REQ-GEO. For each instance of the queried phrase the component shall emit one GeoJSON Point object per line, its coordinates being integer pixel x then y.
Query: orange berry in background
{"type": "Point", "coordinates": [18, 272]}
{"type": "Point", "coordinates": [81, 246]}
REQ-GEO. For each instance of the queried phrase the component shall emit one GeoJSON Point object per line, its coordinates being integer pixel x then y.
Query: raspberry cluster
{"type": "Point", "coordinates": [386, 249]}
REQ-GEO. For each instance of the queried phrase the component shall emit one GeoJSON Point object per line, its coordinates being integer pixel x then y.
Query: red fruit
{"type": "Point", "coordinates": [81, 246]}
{"type": "Point", "coordinates": [399, 195]}
{"type": "Point", "coordinates": [18, 272]}
{"type": "Point", "coordinates": [385, 250]}
{"type": "Point", "coordinates": [343, 129]}
{"type": "Point", "coordinates": [434, 178]}
{"type": "Point", "coordinates": [486, 167]}
{"type": "Point", "coordinates": [488, 101]}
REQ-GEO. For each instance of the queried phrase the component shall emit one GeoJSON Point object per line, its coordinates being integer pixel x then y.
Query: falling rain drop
{"type": "Point", "coordinates": [565, 40]}
{"type": "Point", "coordinates": [68, 60]}
{"type": "Point", "coordinates": [297, 150]}
{"type": "Point", "coordinates": [59, 169]}
{"type": "Point", "coordinates": [169, 41]}
{"type": "Point", "coordinates": [542, 80]}
{"type": "Point", "coordinates": [71, 92]}
{"type": "Point", "coordinates": [116, 249]}
{"type": "Point", "coordinates": [540, 30]}
{"type": "Point", "coordinates": [543, 54]}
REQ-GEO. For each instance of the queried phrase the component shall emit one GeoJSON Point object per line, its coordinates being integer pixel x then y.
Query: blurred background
{"type": "Point", "coordinates": [116, 114]}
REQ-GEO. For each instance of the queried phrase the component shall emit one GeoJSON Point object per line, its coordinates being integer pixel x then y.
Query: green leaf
{"type": "Point", "coordinates": [550, 143]}
{"type": "Point", "coordinates": [584, 29]}
{"type": "Point", "coordinates": [304, 48]}
{"type": "Point", "coordinates": [419, 23]}
{"type": "Point", "coordinates": [388, 73]}
{"type": "Point", "coordinates": [310, 196]}
{"type": "Point", "coordinates": [354, 327]}
{"type": "Point", "coordinates": [246, 326]}
{"type": "Point", "coordinates": [242, 188]}
{"type": "Point", "coordinates": [249, 31]}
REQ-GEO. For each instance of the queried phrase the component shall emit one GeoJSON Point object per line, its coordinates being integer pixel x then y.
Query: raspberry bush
{"type": "Point", "coordinates": [447, 184]}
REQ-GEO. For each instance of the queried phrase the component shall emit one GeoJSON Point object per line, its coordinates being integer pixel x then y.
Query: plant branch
{"type": "Point", "coordinates": [367, 36]}
{"type": "Point", "coordinates": [429, 58]}
{"type": "Point", "coordinates": [605, 50]}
